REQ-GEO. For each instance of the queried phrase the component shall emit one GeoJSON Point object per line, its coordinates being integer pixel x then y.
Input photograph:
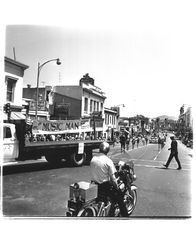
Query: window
{"type": "Point", "coordinates": [94, 105]}
{"type": "Point", "coordinates": [101, 107]}
{"type": "Point", "coordinates": [86, 104]}
{"type": "Point", "coordinates": [106, 119]}
{"type": "Point", "coordinates": [7, 132]}
{"type": "Point", "coordinates": [47, 95]}
{"type": "Point", "coordinates": [91, 106]}
{"type": "Point", "coordinates": [11, 83]}
{"type": "Point", "coordinates": [97, 106]}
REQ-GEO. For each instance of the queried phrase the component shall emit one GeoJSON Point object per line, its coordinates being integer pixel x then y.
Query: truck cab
{"type": "Point", "coordinates": [10, 143]}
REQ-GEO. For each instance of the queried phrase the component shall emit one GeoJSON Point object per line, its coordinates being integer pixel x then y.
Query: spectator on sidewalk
{"type": "Point", "coordinates": [127, 142]}
{"type": "Point", "coordinates": [122, 142]}
{"type": "Point", "coordinates": [138, 141]}
{"type": "Point", "coordinates": [146, 138]}
{"type": "Point", "coordinates": [133, 142]}
{"type": "Point", "coordinates": [159, 142]}
{"type": "Point", "coordinates": [143, 141]}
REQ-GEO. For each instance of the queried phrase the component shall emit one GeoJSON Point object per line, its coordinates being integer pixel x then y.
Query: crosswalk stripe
{"type": "Point", "coordinates": [151, 166]}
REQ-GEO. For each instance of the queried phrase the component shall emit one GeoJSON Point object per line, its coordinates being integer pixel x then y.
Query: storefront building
{"type": "Point", "coordinates": [110, 123]}
{"type": "Point", "coordinates": [12, 89]}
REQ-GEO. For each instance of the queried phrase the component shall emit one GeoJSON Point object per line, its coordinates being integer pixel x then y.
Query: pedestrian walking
{"type": "Point", "coordinates": [159, 142]}
{"type": "Point", "coordinates": [146, 138]}
{"type": "Point", "coordinates": [138, 141]}
{"type": "Point", "coordinates": [127, 142]}
{"type": "Point", "coordinates": [133, 142]}
{"type": "Point", "coordinates": [122, 142]}
{"type": "Point", "coordinates": [143, 141]}
{"type": "Point", "coordinates": [173, 153]}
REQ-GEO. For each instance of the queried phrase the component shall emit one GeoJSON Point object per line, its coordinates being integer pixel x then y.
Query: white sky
{"type": "Point", "coordinates": [141, 56]}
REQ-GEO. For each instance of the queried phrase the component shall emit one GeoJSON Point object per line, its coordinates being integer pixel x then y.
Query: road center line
{"type": "Point", "coordinates": [157, 155]}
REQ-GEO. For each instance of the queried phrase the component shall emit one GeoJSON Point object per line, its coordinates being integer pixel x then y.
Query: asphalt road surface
{"type": "Point", "coordinates": [37, 189]}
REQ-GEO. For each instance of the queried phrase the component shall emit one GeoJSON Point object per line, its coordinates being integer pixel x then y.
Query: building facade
{"type": "Point", "coordinates": [185, 121]}
{"type": "Point", "coordinates": [30, 95]}
{"type": "Point", "coordinates": [110, 122]}
{"type": "Point", "coordinates": [92, 98]}
{"type": "Point", "coordinates": [12, 89]}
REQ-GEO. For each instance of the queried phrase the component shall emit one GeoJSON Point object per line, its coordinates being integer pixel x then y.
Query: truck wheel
{"type": "Point", "coordinates": [53, 159]}
{"type": "Point", "coordinates": [78, 159]}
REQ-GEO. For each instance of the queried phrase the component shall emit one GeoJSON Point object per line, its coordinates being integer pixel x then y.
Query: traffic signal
{"type": "Point", "coordinates": [7, 108]}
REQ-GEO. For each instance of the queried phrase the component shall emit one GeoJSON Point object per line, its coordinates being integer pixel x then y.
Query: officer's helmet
{"type": "Point", "coordinates": [104, 147]}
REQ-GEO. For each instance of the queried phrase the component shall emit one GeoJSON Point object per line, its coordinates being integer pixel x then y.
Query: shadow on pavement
{"type": "Point", "coordinates": [166, 168]}
{"type": "Point", "coordinates": [30, 167]}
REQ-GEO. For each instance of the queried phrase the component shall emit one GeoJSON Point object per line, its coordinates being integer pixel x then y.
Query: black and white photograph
{"type": "Point", "coordinates": [97, 116]}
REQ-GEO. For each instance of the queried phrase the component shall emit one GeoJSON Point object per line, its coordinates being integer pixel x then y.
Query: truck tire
{"type": "Point", "coordinates": [78, 159]}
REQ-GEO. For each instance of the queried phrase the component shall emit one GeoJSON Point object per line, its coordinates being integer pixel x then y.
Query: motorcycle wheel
{"type": "Point", "coordinates": [87, 212]}
{"type": "Point", "coordinates": [130, 199]}
{"type": "Point", "coordinates": [117, 211]}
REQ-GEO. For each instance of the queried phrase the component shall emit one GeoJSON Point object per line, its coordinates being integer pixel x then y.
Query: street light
{"type": "Point", "coordinates": [120, 105]}
{"type": "Point", "coordinates": [38, 74]}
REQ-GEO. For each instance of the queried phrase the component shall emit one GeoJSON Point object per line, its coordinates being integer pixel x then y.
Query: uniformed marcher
{"type": "Point", "coordinates": [174, 153]}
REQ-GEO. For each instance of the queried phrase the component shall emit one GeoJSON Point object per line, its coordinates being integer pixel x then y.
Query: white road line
{"type": "Point", "coordinates": [134, 159]}
{"type": "Point", "coordinates": [188, 164]}
{"type": "Point", "coordinates": [157, 155]}
{"type": "Point", "coordinates": [151, 166]}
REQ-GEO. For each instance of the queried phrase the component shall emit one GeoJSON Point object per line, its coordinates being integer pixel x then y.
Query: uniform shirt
{"type": "Point", "coordinates": [102, 168]}
{"type": "Point", "coordinates": [174, 146]}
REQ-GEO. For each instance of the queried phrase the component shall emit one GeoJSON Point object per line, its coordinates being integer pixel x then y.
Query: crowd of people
{"type": "Point", "coordinates": [126, 140]}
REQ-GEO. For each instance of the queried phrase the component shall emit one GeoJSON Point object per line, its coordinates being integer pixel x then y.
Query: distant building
{"type": "Point", "coordinates": [110, 122]}
{"type": "Point", "coordinates": [185, 120]}
{"type": "Point", "coordinates": [12, 89]}
{"type": "Point", "coordinates": [30, 95]}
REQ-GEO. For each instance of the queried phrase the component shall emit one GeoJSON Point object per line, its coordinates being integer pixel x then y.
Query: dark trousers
{"type": "Point", "coordinates": [122, 146]}
{"type": "Point", "coordinates": [107, 189]}
{"type": "Point", "coordinates": [171, 157]}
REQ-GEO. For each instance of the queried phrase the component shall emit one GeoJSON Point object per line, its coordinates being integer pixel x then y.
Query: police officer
{"type": "Point", "coordinates": [174, 153]}
{"type": "Point", "coordinates": [103, 173]}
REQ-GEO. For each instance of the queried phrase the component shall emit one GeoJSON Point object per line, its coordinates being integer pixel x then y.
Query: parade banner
{"type": "Point", "coordinates": [57, 126]}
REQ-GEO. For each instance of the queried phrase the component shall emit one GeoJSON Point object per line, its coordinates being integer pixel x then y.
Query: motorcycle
{"type": "Point", "coordinates": [103, 206]}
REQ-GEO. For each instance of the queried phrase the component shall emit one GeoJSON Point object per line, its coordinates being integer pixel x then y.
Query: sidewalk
{"type": "Point", "coordinates": [188, 150]}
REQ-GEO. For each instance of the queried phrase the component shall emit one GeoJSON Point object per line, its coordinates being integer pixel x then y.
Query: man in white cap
{"type": "Point", "coordinates": [174, 153]}
{"type": "Point", "coordinates": [103, 174]}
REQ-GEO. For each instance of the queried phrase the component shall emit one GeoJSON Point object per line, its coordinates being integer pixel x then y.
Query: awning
{"type": "Point", "coordinates": [14, 116]}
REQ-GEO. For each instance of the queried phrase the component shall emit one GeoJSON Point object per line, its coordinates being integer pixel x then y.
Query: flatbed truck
{"type": "Point", "coordinates": [17, 147]}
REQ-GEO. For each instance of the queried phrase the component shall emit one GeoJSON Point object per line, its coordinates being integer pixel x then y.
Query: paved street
{"type": "Point", "coordinates": [38, 189]}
